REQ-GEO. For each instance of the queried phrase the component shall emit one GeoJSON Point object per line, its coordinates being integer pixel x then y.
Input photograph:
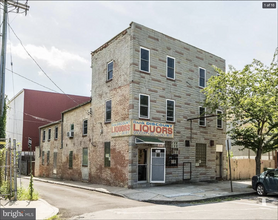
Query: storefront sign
{"type": "Point", "coordinates": [142, 128]}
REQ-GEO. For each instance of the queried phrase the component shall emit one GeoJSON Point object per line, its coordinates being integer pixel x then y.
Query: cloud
{"type": "Point", "coordinates": [53, 56]}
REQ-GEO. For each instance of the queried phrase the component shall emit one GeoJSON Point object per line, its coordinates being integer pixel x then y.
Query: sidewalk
{"type": "Point", "coordinates": [185, 192]}
{"type": "Point", "coordinates": [43, 209]}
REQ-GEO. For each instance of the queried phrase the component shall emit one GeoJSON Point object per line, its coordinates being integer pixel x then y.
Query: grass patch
{"type": "Point", "coordinates": [215, 200]}
{"type": "Point", "coordinates": [24, 194]}
{"type": "Point", "coordinates": [55, 217]}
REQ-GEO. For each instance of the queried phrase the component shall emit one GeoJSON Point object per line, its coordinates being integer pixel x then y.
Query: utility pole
{"type": "Point", "coordinates": [17, 6]}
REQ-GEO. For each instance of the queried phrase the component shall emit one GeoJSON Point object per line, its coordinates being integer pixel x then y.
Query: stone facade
{"type": "Point", "coordinates": [164, 144]}
{"type": "Point", "coordinates": [50, 165]}
{"type": "Point", "coordinates": [124, 89]}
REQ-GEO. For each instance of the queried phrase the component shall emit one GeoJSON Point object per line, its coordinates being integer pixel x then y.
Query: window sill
{"type": "Point", "coordinates": [202, 126]}
{"type": "Point", "coordinates": [171, 79]}
{"type": "Point", "coordinates": [146, 119]}
{"type": "Point", "coordinates": [107, 122]}
{"type": "Point", "coordinates": [109, 80]}
{"type": "Point", "coordinates": [171, 122]}
{"type": "Point", "coordinates": [219, 128]}
{"type": "Point", "coordinates": [201, 87]}
{"type": "Point", "coordinates": [142, 71]}
{"type": "Point", "coordinates": [84, 135]}
{"type": "Point", "coordinates": [70, 168]}
{"type": "Point", "coordinates": [84, 165]}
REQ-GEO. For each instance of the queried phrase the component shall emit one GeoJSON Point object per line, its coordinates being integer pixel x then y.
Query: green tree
{"type": "Point", "coordinates": [249, 99]}
{"type": "Point", "coordinates": [3, 124]}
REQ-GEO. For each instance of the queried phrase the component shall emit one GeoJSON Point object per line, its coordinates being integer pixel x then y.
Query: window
{"type": "Point", "coordinates": [202, 120]}
{"type": "Point", "coordinates": [85, 127]}
{"type": "Point", "coordinates": [56, 132]}
{"type": "Point", "coordinates": [172, 151]}
{"type": "Point", "coordinates": [202, 77]}
{"type": "Point", "coordinates": [70, 159]}
{"type": "Point", "coordinates": [107, 154]}
{"type": "Point", "coordinates": [108, 111]}
{"type": "Point", "coordinates": [110, 70]}
{"type": "Point", "coordinates": [144, 106]}
{"type": "Point", "coordinates": [201, 155]}
{"type": "Point", "coordinates": [49, 134]}
{"type": "Point", "coordinates": [144, 59]}
{"type": "Point", "coordinates": [170, 110]}
{"type": "Point", "coordinates": [47, 157]}
{"type": "Point", "coordinates": [85, 157]}
{"type": "Point", "coordinates": [219, 119]}
{"type": "Point", "coordinates": [43, 135]}
{"type": "Point", "coordinates": [170, 67]}
{"type": "Point", "coordinates": [72, 127]}
{"type": "Point", "coordinates": [43, 158]}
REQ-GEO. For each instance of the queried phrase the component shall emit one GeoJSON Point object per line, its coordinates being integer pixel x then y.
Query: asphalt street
{"type": "Point", "coordinates": [75, 203]}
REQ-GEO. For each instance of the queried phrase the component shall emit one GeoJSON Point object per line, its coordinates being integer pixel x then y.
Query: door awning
{"type": "Point", "coordinates": [148, 140]}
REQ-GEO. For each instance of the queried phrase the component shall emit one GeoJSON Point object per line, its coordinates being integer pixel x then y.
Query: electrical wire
{"type": "Point", "coordinates": [40, 66]}
{"type": "Point", "coordinates": [31, 80]}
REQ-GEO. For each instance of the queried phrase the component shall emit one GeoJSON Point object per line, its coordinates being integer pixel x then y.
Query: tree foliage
{"type": "Point", "coordinates": [3, 122]}
{"type": "Point", "coordinates": [249, 99]}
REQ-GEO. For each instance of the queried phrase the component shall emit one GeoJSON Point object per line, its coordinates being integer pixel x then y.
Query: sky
{"type": "Point", "coordinates": [60, 36]}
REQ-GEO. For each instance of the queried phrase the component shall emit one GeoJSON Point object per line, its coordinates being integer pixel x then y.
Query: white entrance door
{"type": "Point", "coordinates": [158, 165]}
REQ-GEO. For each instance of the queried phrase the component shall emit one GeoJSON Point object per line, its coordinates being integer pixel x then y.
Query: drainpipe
{"type": "Point", "coordinates": [62, 123]}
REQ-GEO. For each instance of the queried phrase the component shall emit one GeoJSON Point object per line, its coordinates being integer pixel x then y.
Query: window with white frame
{"type": "Point", "coordinates": [170, 67]}
{"type": "Point", "coordinates": [202, 77]}
{"type": "Point", "coordinates": [144, 59]}
{"type": "Point", "coordinates": [144, 106]}
{"type": "Point", "coordinates": [202, 119]}
{"type": "Point", "coordinates": [85, 127]}
{"type": "Point", "coordinates": [108, 110]}
{"type": "Point", "coordinates": [170, 107]}
{"type": "Point", "coordinates": [110, 70]}
{"type": "Point", "coordinates": [49, 133]}
{"type": "Point", "coordinates": [56, 132]}
{"type": "Point", "coordinates": [219, 121]}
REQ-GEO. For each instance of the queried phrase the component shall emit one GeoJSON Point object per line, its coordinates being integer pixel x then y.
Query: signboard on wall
{"type": "Point", "coordinates": [121, 129]}
{"type": "Point", "coordinates": [142, 128]}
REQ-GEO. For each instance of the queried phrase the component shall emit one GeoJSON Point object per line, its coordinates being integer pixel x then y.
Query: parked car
{"type": "Point", "coordinates": [266, 182]}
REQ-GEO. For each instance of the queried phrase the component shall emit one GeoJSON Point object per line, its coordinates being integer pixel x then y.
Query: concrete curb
{"type": "Point", "coordinates": [55, 210]}
{"type": "Point", "coordinates": [76, 186]}
{"type": "Point", "coordinates": [147, 200]}
{"type": "Point", "coordinates": [197, 200]}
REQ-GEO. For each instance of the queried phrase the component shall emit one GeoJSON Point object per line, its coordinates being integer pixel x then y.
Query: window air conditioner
{"type": "Point", "coordinates": [70, 134]}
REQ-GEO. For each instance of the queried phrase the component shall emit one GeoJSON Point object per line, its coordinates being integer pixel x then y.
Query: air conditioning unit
{"type": "Point", "coordinates": [70, 134]}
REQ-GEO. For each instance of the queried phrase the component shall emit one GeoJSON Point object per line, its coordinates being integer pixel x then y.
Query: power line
{"type": "Point", "coordinates": [41, 67]}
{"type": "Point", "coordinates": [31, 80]}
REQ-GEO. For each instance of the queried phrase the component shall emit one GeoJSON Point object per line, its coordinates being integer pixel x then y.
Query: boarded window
{"type": "Point", "coordinates": [70, 159]}
{"type": "Point", "coordinates": [85, 157]}
{"type": "Point", "coordinates": [43, 158]}
{"type": "Point", "coordinates": [47, 157]}
{"type": "Point", "coordinates": [107, 154]}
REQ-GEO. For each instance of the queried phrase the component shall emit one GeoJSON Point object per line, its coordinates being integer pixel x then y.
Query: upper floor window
{"type": "Point", "coordinates": [72, 127]}
{"type": "Point", "coordinates": [144, 106]}
{"type": "Point", "coordinates": [49, 134]}
{"type": "Point", "coordinates": [219, 119]}
{"type": "Point", "coordinates": [43, 135]}
{"type": "Point", "coordinates": [108, 110]}
{"type": "Point", "coordinates": [145, 59]}
{"type": "Point", "coordinates": [170, 67]}
{"type": "Point", "coordinates": [202, 77]}
{"type": "Point", "coordinates": [170, 104]}
{"type": "Point", "coordinates": [85, 127]}
{"type": "Point", "coordinates": [110, 70]}
{"type": "Point", "coordinates": [202, 119]}
{"type": "Point", "coordinates": [56, 132]}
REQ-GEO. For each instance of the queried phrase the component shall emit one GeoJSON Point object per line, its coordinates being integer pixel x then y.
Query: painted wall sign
{"type": "Point", "coordinates": [121, 129]}
{"type": "Point", "coordinates": [142, 128]}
